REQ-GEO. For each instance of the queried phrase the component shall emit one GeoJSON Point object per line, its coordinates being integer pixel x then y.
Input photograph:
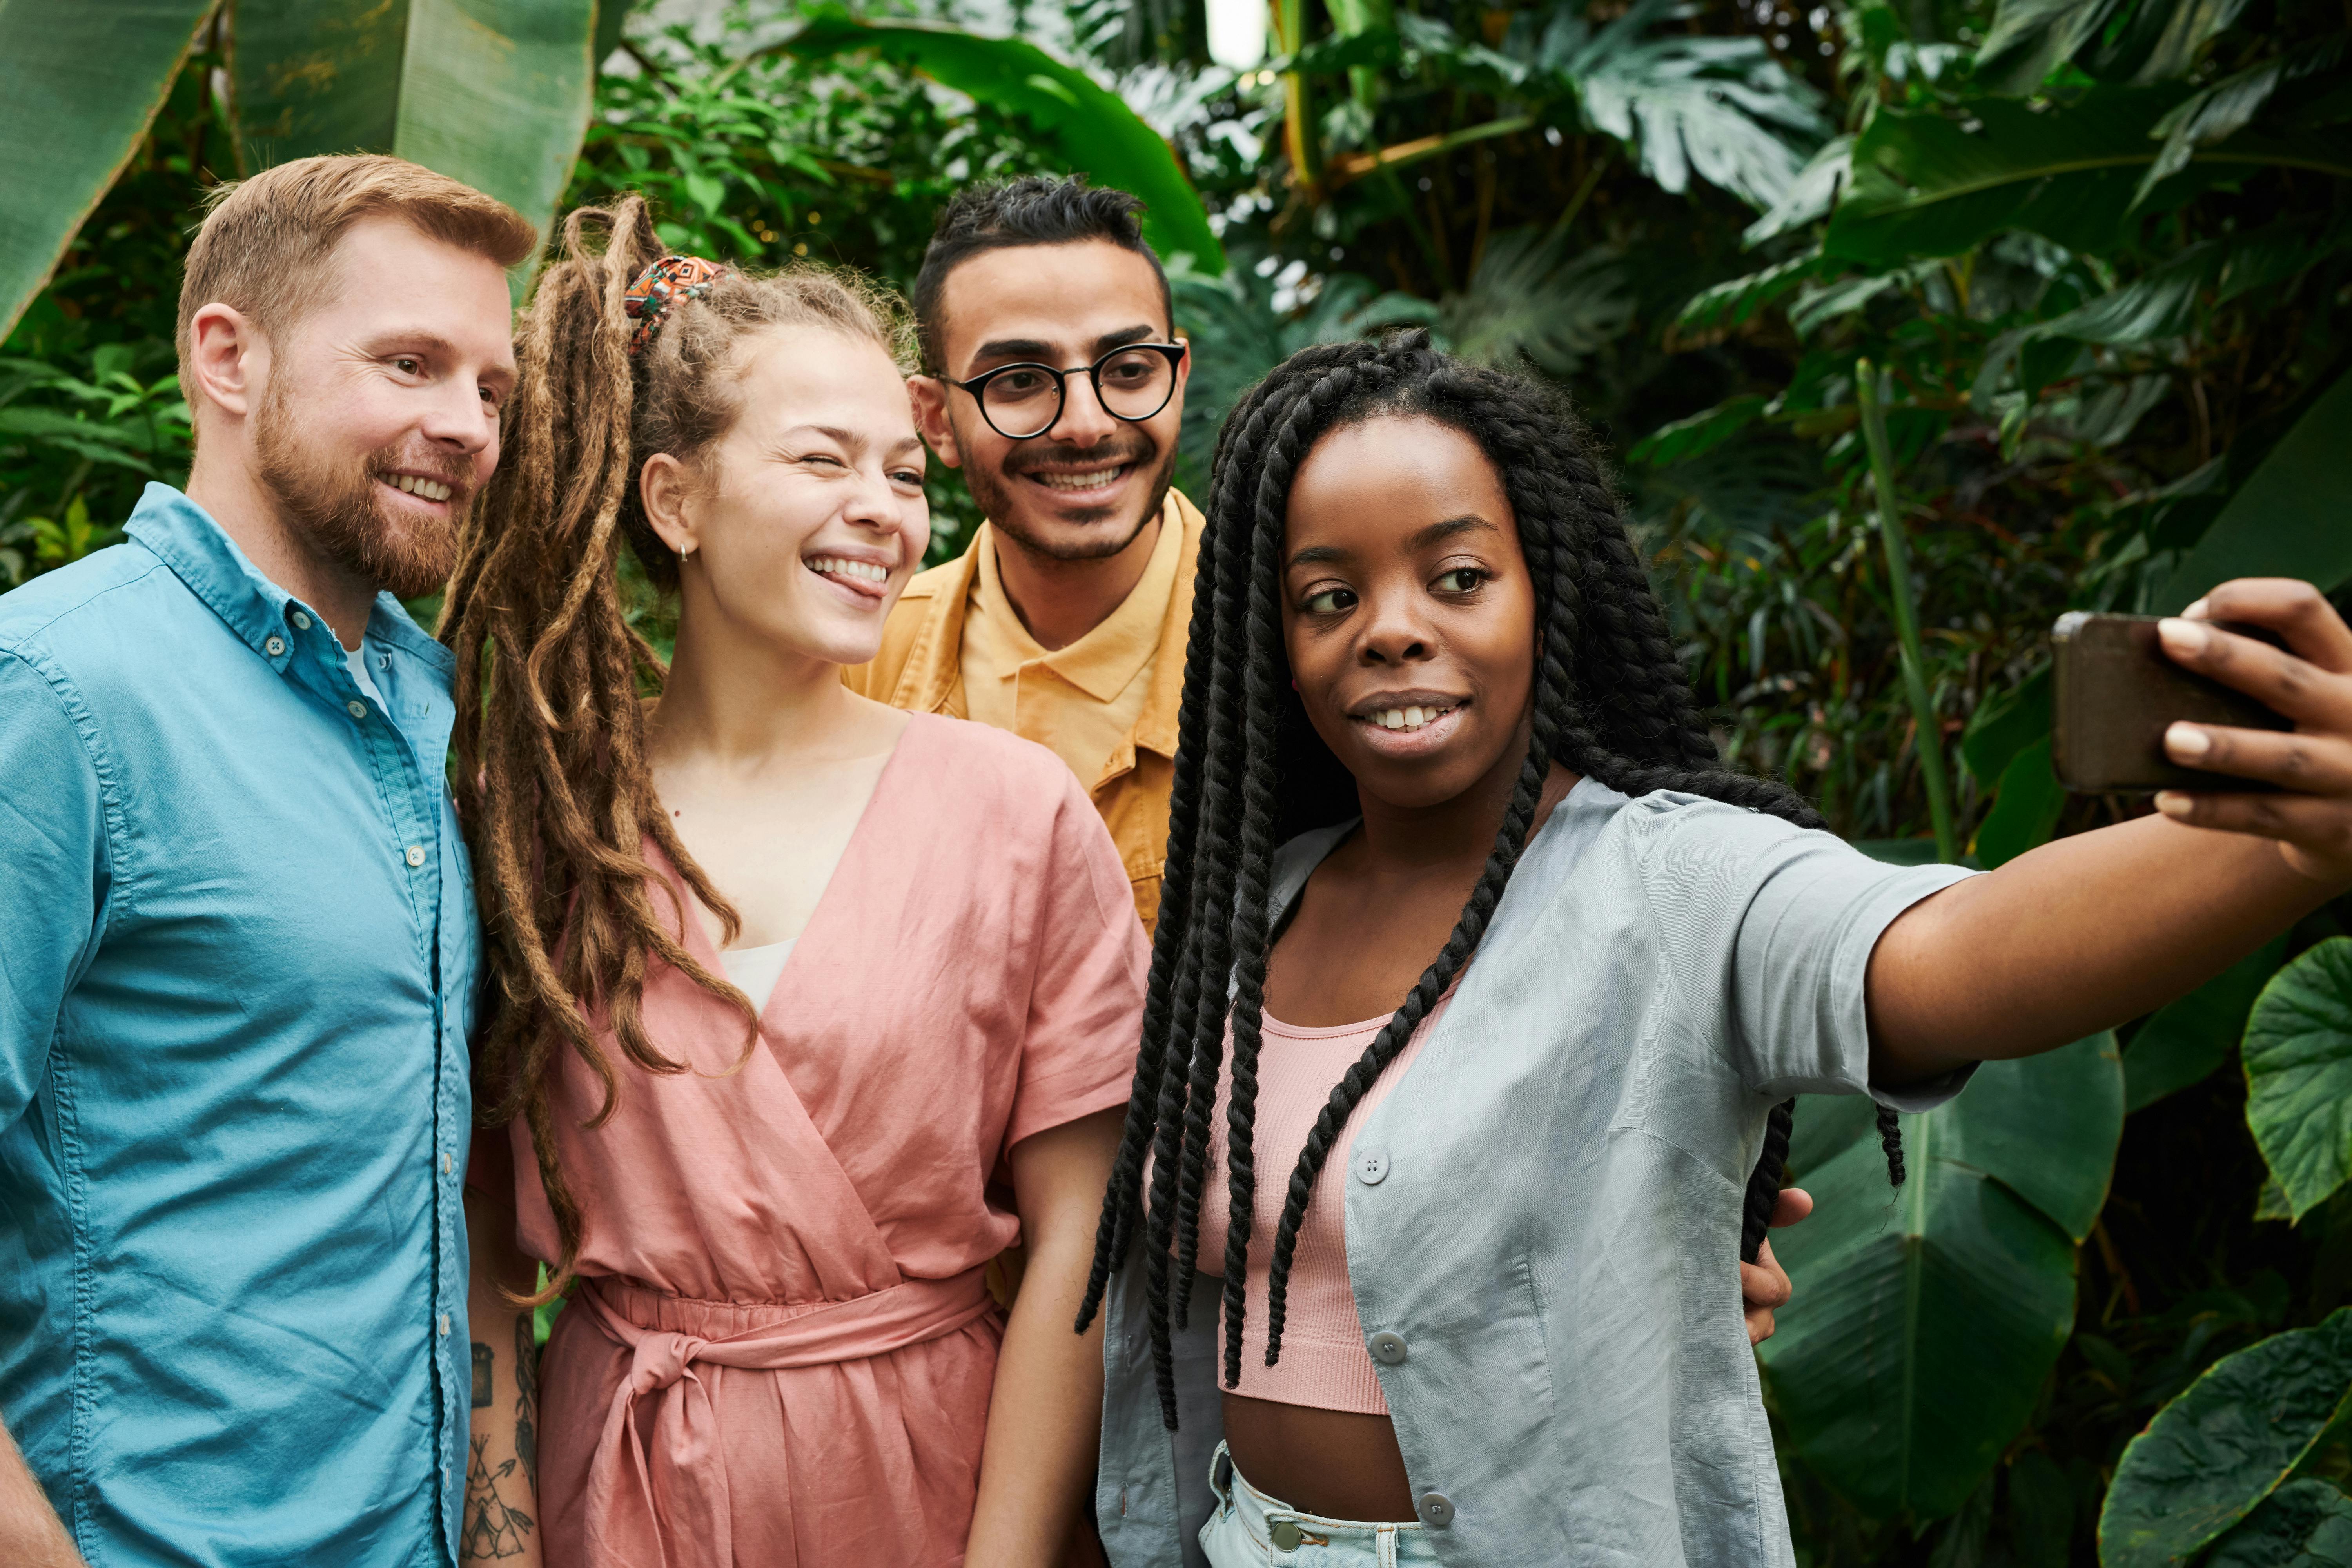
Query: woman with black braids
{"type": "Point", "coordinates": [1447, 833]}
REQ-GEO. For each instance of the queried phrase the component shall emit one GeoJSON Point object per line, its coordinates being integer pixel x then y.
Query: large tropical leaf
{"type": "Point", "coordinates": [1721, 107]}
{"type": "Point", "coordinates": [492, 92]}
{"type": "Point", "coordinates": [2115, 40]}
{"type": "Point", "coordinates": [2212, 1455]}
{"type": "Point", "coordinates": [2305, 1523]}
{"type": "Point", "coordinates": [1930, 184]}
{"type": "Point", "coordinates": [1096, 132]}
{"type": "Point", "coordinates": [1534, 298]}
{"type": "Point", "coordinates": [1933, 1313]}
{"type": "Point", "coordinates": [81, 82]}
{"type": "Point", "coordinates": [2289, 518]}
{"type": "Point", "coordinates": [2298, 1054]}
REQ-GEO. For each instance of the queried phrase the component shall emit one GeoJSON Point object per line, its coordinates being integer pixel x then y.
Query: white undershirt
{"type": "Point", "coordinates": [754, 971]}
{"type": "Point", "coordinates": [355, 661]}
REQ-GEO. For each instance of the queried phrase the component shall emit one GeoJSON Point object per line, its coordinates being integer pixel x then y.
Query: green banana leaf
{"type": "Point", "coordinates": [2188, 1039]}
{"type": "Point", "coordinates": [1928, 184]}
{"type": "Point", "coordinates": [2288, 519]}
{"type": "Point", "coordinates": [1934, 1312]}
{"type": "Point", "coordinates": [2298, 1054]}
{"type": "Point", "coordinates": [2026, 810]}
{"type": "Point", "coordinates": [493, 92]}
{"type": "Point", "coordinates": [2214, 1454]}
{"type": "Point", "coordinates": [82, 83]}
{"type": "Point", "coordinates": [1096, 132]}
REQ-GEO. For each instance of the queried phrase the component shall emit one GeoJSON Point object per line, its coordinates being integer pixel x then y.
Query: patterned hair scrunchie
{"type": "Point", "coordinates": [662, 285]}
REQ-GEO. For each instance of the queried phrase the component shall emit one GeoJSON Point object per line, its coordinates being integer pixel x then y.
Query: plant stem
{"type": "Point", "coordinates": [1930, 738]}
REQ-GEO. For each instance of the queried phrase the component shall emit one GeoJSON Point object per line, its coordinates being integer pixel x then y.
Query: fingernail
{"type": "Point", "coordinates": [2195, 612]}
{"type": "Point", "coordinates": [2173, 803]}
{"type": "Point", "coordinates": [2186, 740]}
{"type": "Point", "coordinates": [2182, 637]}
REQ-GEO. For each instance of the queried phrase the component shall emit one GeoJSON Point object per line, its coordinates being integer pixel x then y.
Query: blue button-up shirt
{"type": "Point", "coordinates": [237, 959]}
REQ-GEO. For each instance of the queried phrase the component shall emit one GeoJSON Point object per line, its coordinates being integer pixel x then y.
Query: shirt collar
{"type": "Point", "coordinates": [184, 536]}
{"type": "Point", "coordinates": [1106, 659]}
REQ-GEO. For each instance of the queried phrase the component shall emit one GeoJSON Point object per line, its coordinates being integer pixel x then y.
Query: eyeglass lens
{"type": "Point", "coordinates": [1135, 383]}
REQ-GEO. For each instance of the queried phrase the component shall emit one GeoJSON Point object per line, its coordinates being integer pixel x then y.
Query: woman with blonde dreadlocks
{"type": "Point", "coordinates": [807, 1006]}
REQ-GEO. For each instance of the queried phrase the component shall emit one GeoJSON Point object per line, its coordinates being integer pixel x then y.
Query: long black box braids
{"type": "Point", "coordinates": [1610, 701]}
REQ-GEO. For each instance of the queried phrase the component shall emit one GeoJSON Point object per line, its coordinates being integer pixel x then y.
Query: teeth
{"type": "Point", "coordinates": [1408, 717]}
{"type": "Point", "coordinates": [430, 489]}
{"type": "Point", "coordinates": [836, 566]}
{"type": "Point", "coordinates": [1101, 479]}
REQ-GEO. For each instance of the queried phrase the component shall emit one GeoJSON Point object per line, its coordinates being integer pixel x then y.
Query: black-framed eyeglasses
{"type": "Point", "coordinates": [1023, 401]}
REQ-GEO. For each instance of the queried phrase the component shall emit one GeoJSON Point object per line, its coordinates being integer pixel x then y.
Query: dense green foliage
{"type": "Point", "coordinates": [2102, 250]}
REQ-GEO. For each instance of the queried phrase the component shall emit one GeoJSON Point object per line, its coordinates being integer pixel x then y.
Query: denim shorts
{"type": "Point", "coordinates": [1251, 1530]}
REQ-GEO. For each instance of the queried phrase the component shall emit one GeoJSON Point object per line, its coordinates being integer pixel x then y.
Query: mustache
{"type": "Point", "coordinates": [1139, 449]}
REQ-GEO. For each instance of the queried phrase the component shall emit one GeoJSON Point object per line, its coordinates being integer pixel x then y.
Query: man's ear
{"type": "Point", "coordinates": [228, 358]}
{"type": "Point", "coordinates": [930, 395]}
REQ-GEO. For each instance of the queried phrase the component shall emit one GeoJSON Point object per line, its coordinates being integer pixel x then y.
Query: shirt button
{"type": "Point", "coordinates": [302, 621]}
{"type": "Point", "coordinates": [356, 709]}
{"type": "Point", "coordinates": [1388, 1348]}
{"type": "Point", "coordinates": [1436, 1510]}
{"type": "Point", "coordinates": [445, 1329]}
{"type": "Point", "coordinates": [446, 1168]}
{"type": "Point", "coordinates": [1372, 1167]}
{"type": "Point", "coordinates": [415, 856]}
{"type": "Point", "coordinates": [274, 646]}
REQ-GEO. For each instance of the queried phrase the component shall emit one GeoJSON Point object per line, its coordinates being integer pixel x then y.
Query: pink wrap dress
{"type": "Point", "coordinates": [782, 1345]}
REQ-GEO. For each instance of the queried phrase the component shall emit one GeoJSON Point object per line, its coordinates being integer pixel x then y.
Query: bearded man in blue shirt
{"type": "Point", "coordinates": [238, 949]}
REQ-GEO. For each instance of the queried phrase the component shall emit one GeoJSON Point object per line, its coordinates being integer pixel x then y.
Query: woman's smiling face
{"type": "Point", "coordinates": [1407, 609]}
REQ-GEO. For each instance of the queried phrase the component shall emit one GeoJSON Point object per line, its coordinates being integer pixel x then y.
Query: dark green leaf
{"type": "Point", "coordinates": [2298, 1054]}
{"type": "Point", "coordinates": [2005, 724]}
{"type": "Point", "coordinates": [1727, 305]}
{"type": "Point", "coordinates": [2287, 519]}
{"type": "Point", "coordinates": [1930, 184]}
{"type": "Point", "coordinates": [1090, 126]}
{"type": "Point", "coordinates": [2305, 1523]}
{"type": "Point", "coordinates": [2230, 105]}
{"type": "Point", "coordinates": [1934, 1312]}
{"type": "Point", "coordinates": [81, 83]}
{"type": "Point", "coordinates": [1689, 438]}
{"type": "Point", "coordinates": [2227, 1443]}
{"type": "Point", "coordinates": [1533, 297]}
{"type": "Point", "coordinates": [2115, 40]}
{"type": "Point", "coordinates": [2188, 1039]}
{"type": "Point", "coordinates": [2025, 811]}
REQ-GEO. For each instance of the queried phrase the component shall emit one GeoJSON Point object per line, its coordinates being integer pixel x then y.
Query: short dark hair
{"type": "Point", "coordinates": [1035, 209]}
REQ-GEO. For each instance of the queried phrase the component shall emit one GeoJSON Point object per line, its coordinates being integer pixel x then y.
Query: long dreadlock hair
{"type": "Point", "coordinates": [552, 779]}
{"type": "Point", "coordinates": [1610, 701]}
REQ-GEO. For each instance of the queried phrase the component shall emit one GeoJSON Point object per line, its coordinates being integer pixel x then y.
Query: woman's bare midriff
{"type": "Point", "coordinates": [1329, 1462]}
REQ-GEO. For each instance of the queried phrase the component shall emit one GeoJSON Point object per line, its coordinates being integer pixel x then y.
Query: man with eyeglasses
{"type": "Point", "coordinates": [1053, 379]}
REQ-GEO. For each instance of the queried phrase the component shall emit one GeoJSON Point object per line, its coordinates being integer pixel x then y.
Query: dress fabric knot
{"type": "Point", "coordinates": [659, 1455]}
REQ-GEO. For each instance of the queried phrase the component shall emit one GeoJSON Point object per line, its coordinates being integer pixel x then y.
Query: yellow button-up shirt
{"type": "Point", "coordinates": [1106, 704]}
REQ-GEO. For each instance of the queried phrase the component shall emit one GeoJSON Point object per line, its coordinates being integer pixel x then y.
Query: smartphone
{"type": "Point", "coordinates": [2117, 690]}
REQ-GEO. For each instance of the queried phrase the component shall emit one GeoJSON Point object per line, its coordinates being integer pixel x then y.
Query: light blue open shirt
{"type": "Point", "coordinates": [237, 959]}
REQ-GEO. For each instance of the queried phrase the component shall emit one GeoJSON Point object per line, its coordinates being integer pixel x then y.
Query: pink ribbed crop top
{"type": "Point", "coordinates": [1324, 1362]}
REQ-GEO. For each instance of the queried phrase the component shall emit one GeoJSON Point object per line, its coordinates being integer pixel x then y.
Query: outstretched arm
{"type": "Point", "coordinates": [2085, 933]}
{"type": "Point", "coordinates": [1044, 1419]}
{"type": "Point", "coordinates": [500, 1523]}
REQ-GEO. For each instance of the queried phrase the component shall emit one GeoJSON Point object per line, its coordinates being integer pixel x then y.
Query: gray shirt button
{"type": "Point", "coordinates": [1436, 1510]}
{"type": "Point", "coordinates": [1370, 1166]}
{"type": "Point", "coordinates": [356, 709]}
{"type": "Point", "coordinates": [301, 622]}
{"type": "Point", "coordinates": [1389, 1350]}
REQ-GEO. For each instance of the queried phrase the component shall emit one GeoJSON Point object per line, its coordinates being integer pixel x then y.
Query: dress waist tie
{"type": "Point", "coordinates": [674, 1467]}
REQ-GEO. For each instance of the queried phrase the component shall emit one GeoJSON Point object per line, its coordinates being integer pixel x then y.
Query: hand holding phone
{"type": "Point", "coordinates": [2285, 777]}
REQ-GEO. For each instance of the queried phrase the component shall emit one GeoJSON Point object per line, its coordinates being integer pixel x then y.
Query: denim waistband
{"type": "Point", "coordinates": [1272, 1532]}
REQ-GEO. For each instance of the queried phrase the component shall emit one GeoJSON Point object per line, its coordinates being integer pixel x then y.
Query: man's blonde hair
{"type": "Point", "coordinates": [265, 246]}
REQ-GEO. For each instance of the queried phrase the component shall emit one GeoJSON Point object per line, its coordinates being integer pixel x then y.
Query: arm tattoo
{"type": "Point", "coordinates": [493, 1527]}
{"type": "Point", "coordinates": [482, 1359]}
{"type": "Point", "coordinates": [527, 1397]}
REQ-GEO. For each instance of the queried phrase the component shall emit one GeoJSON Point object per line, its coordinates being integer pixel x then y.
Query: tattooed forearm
{"type": "Point", "coordinates": [494, 1528]}
{"type": "Point", "coordinates": [527, 1397]}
